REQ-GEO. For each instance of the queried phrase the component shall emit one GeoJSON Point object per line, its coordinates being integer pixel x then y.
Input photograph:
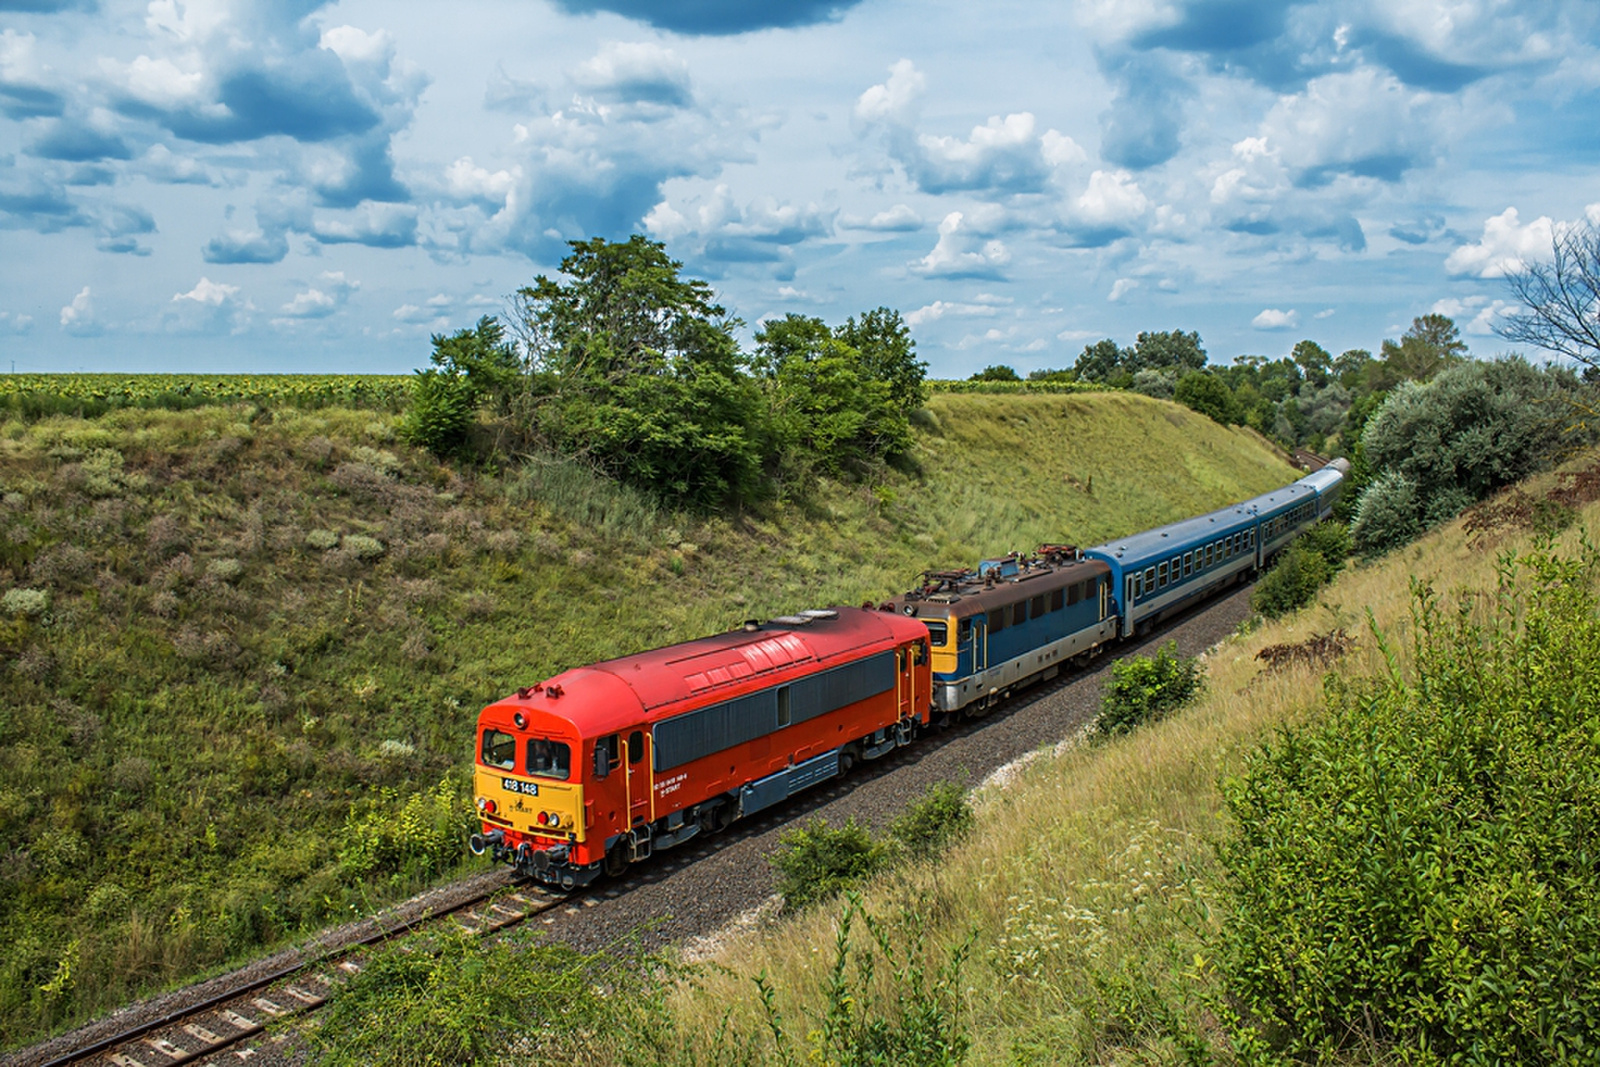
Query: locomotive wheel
{"type": "Point", "coordinates": [617, 858]}
{"type": "Point", "coordinates": [847, 760]}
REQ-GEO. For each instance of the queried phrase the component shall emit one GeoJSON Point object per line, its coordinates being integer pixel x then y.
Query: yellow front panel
{"type": "Point", "coordinates": [519, 799]}
{"type": "Point", "coordinates": [943, 662]}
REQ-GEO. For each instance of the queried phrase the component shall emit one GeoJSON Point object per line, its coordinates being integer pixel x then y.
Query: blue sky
{"type": "Point", "coordinates": [231, 186]}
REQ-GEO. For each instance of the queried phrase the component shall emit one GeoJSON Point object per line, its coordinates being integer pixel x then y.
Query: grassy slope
{"type": "Point", "coordinates": [1089, 882]}
{"type": "Point", "coordinates": [195, 738]}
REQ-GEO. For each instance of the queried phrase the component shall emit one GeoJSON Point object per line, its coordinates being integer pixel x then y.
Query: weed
{"type": "Point", "coordinates": [1145, 688]}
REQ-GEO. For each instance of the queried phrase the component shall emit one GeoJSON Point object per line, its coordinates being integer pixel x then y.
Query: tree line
{"type": "Point", "coordinates": [627, 363]}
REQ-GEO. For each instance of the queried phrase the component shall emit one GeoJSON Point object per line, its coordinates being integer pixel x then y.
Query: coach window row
{"type": "Point", "coordinates": [1170, 572]}
{"type": "Point", "coordinates": [1041, 605]}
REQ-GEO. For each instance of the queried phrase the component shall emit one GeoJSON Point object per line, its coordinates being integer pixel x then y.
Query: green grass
{"type": "Point", "coordinates": [266, 629]}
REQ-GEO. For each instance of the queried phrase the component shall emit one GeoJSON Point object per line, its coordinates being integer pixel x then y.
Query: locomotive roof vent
{"type": "Point", "coordinates": [792, 620]}
{"type": "Point", "coordinates": [820, 613]}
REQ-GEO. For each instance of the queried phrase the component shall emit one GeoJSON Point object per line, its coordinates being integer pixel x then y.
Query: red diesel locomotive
{"type": "Point", "coordinates": [602, 765]}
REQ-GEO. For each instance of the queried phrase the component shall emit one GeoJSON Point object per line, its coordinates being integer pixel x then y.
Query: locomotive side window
{"type": "Point", "coordinates": [997, 620]}
{"type": "Point", "coordinates": [1074, 593]}
{"type": "Point", "coordinates": [1057, 600]}
{"type": "Point", "coordinates": [938, 632]}
{"type": "Point", "coordinates": [549, 759]}
{"type": "Point", "coordinates": [607, 754]}
{"type": "Point", "coordinates": [964, 634]}
{"type": "Point", "coordinates": [499, 750]}
{"type": "Point", "coordinates": [1019, 613]}
{"type": "Point", "coordinates": [636, 744]}
{"type": "Point", "coordinates": [1037, 609]}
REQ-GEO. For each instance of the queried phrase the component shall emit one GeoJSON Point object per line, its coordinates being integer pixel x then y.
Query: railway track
{"type": "Point", "coordinates": [232, 1024]}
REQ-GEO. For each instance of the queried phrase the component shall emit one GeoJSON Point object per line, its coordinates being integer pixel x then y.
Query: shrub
{"type": "Point", "coordinates": [1291, 583]}
{"type": "Point", "coordinates": [815, 862]}
{"type": "Point", "coordinates": [1388, 515]}
{"type": "Point", "coordinates": [440, 414]}
{"type": "Point", "coordinates": [225, 569]}
{"type": "Point", "coordinates": [363, 547]}
{"type": "Point", "coordinates": [28, 602]}
{"type": "Point", "coordinates": [1145, 688]}
{"type": "Point", "coordinates": [1422, 863]}
{"type": "Point", "coordinates": [932, 821]}
{"type": "Point", "coordinates": [322, 539]}
{"type": "Point", "coordinates": [1330, 539]}
{"type": "Point", "coordinates": [424, 836]}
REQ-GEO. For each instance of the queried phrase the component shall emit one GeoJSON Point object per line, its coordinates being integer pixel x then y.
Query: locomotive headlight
{"type": "Point", "coordinates": [486, 805]}
{"type": "Point", "coordinates": [544, 818]}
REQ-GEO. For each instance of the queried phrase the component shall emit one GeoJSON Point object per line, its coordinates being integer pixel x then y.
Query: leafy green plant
{"type": "Point", "coordinates": [939, 817]}
{"type": "Point", "coordinates": [1145, 688]}
{"type": "Point", "coordinates": [1415, 876]}
{"type": "Point", "coordinates": [815, 861]}
{"type": "Point", "coordinates": [1291, 583]}
{"type": "Point", "coordinates": [440, 414]}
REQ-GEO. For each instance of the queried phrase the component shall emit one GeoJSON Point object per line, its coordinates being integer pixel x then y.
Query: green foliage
{"type": "Point", "coordinates": [37, 396]}
{"type": "Point", "coordinates": [1331, 540]}
{"type": "Point", "coordinates": [815, 861]}
{"type": "Point", "coordinates": [1146, 688]}
{"type": "Point", "coordinates": [1207, 394]}
{"type": "Point", "coordinates": [446, 999]}
{"type": "Point", "coordinates": [440, 415]}
{"type": "Point", "coordinates": [1437, 448]}
{"type": "Point", "coordinates": [422, 836]}
{"type": "Point", "coordinates": [997, 373]}
{"type": "Point", "coordinates": [918, 1023]}
{"type": "Point", "coordinates": [1423, 862]}
{"type": "Point", "coordinates": [933, 821]}
{"type": "Point", "coordinates": [483, 362]}
{"type": "Point", "coordinates": [29, 603]}
{"type": "Point", "coordinates": [1292, 582]}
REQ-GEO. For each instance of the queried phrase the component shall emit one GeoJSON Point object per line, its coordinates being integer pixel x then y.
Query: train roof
{"type": "Point", "coordinates": [996, 582]}
{"type": "Point", "coordinates": [1156, 543]}
{"type": "Point", "coordinates": [606, 696]}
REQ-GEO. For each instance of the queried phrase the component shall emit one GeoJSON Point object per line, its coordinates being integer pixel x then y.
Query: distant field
{"type": "Point", "coordinates": [43, 394]}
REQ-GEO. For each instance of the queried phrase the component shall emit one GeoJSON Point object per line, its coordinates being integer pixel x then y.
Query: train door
{"type": "Point", "coordinates": [640, 778]}
{"type": "Point", "coordinates": [980, 643]}
{"type": "Point", "coordinates": [1105, 597]}
{"type": "Point", "coordinates": [906, 680]}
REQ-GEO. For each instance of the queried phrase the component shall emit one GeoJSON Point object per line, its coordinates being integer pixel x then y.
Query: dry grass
{"type": "Point", "coordinates": [1089, 881]}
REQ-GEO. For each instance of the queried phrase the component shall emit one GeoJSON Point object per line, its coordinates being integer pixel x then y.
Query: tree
{"type": "Point", "coordinates": [1172, 348]}
{"type": "Point", "coordinates": [997, 373]}
{"type": "Point", "coordinates": [1207, 394]}
{"type": "Point", "coordinates": [1313, 360]}
{"type": "Point", "coordinates": [639, 371]}
{"type": "Point", "coordinates": [887, 353]}
{"type": "Point", "coordinates": [1351, 366]}
{"type": "Point", "coordinates": [1100, 361]}
{"type": "Point", "coordinates": [1432, 344]}
{"type": "Point", "coordinates": [1560, 300]}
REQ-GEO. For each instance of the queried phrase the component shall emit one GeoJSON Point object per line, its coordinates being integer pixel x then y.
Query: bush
{"type": "Point", "coordinates": [815, 862]}
{"type": "Point", "coordinates": [27, 602]}
{"type": "Point", "coordinates": [932, 821]}
{"type": "Point", "coordinates": [1291, 583]}
{"type": "Point", "coordinates": [1413, 879]}
{"type": "Point", "coordinates": [424, 836]}
{"type": "Point", "coordinates": [1388, 515]}
{"type": "Point", "coordinates": [440, 414]}
{"type": "Point", "coordinates": [1331, 540]}
{"type": "Point", "coordinates": [1143, 689]}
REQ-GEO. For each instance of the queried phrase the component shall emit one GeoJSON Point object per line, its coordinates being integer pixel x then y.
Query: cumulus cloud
{"type": "Point", "coordinates": [330, 293]}
{"type": "Point", "coordinates": [1476, 315]}
{"type": "Point", "coordinates": [1506, 244]}
{"type": "Point", "coordinates": [1121, 288]}
{"type": "Point", "coordinates": [376, 225]}
{"type": "Point", "coordinates": [636, 74]}
{"type": "Point", "coordinates": [15, 322]}
{"type": "Point", "coordinates": [1363, 122]}
{"type": "Point", "coordinates": [432, 312]}
{"type": "Point", "coordinates": [962, 253]}
{"type": "Point", "coordinates": [1005, 156]}
{"type": "Point", "coordinates": [246, 246]}
{"type": "Point", "coordinates": [897, 219]}
{"type": "Point", "coordinates": [1274, 319]}
{"type": "Point", "coordinates": [209, 307]}
{"type": "Point", "coordinates": [987, 305]}
{"type": "Point", "coordinates": [26, 84]}
{"type": "Point", "coordinates": [1141, 127]}
{"type": "Point", "coordinates": [78, 317]}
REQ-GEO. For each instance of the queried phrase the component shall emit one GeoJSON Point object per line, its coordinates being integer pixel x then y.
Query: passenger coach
{"type": "Point", "coordinates": [600, 766]}
{"type": "Point", "coordinates": [1164, 570]}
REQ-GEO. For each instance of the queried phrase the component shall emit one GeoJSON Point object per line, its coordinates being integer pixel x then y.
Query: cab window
{"type": "Point", "coordinates": [499, 750]}
{"type": "Point", "coordinates": [549, 759]}
{"type": "Point", "coordinates": [938, 632]}
{"type": "Point", "coordinates": [636, 741]}
{"type": "Point", "coordinates": [964, 634]}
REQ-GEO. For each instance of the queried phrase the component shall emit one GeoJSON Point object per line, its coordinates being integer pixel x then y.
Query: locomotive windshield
{"type": "Point", "coordinates": [549, 759]}
{"type": "Point", "coordinates": [938, 632]}
{"type": "Point", "coordinates": [499, 750]}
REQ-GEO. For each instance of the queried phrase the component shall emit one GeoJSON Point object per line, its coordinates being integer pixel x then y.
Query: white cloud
{"type": "Point", "coordinates": [898, 219]}
{"type": "Point", "coordinates": [208, 292]}
{"type": "Point", "coordinates": [960, 254]}
{"type": "Point", "coordinates": [1362, 122]}
{"type": "Point", "coordinates": [1121, 288]}
{"type": "Point", "coordinates": [1475, 315]}
{"type": "Point", "coordinates": [941, 308]}
{"type": "Point", "coordinates": [331, 293]}
{"type": "Point", "coordinates": [78, 317]}
{"type": "Point", "coordinates": [1325, 313]}
{"type": "Point", "coordinates": [637, 75]}
{"type": "Point", "coordinates": [15, 323]}
{"type": "Point", "coordinates": [355, 45]}
{"type": "Point", "coordinates": [1505, 244]}
{"type": "Point", "coordinates": [1112, 198]}
{"type": "Point", "coordinates": [1274, 319]}
{"type": "Point", "coordinates": [159, 82]}
{"type": "Point", "coordinates": [896, 99]}
{"type": "Point", "coordinates": [467, 181]}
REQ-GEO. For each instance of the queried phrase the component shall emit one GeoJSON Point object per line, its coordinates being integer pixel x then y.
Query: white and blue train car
{"type": "Point", "coordinates": [1161, 571]}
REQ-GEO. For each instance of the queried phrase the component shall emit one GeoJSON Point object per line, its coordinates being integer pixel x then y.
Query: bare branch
{"type": "Point", "coordinates": [1560, 300]}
